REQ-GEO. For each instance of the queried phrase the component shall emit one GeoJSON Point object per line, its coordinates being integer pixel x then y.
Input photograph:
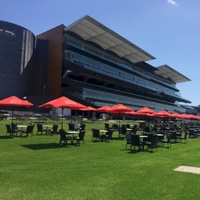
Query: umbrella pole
{"type": "Point", "coordinates": [12, 126]}
{"type": "Point", "coordinates": [62, 120]}
{"type": "Point", "coordinates": [119, 125]}
{"type": "Point", "coordinates": [12, 116]}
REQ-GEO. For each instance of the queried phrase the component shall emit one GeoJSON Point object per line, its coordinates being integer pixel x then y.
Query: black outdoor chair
{"type": "Point", "coordinates": [64, 138]}
{"type": "Point", "coordinates": [106, 126]}
{"type": "Point", "coordinates": [96, 135]}
{"type": "Point", "coordinates": [14, 128]}
{"type": "Point", "coordinates": [174, 137]}
{"type": "Point", "coordinates": [108, 135]}
{"type": "Point", "coordinates": [54, 129]}
{"type": "Point", "coordinates": [115, 127]}
{"type": "Point", "coordinates": [166, 140]}
{"type": "Point", "coordinates": [123, 130]}
{"type": "Point", "coordinates": [40, 129]}
{"type": "Point", "coordinates": [134, 129]}
{"type": "Point", "coordinates": [151, 143]}
{"type": "Point", "coordinates": [71, 127]}
{"type": "Point", "coordinates": [82, 126]}
{"type": "Point", "coordinates": [80, 137]}
{"type": "Point", "coordinates": [135, 142]}
{"type": "Point", "coordinates": [128, 140]}
{"type": "Point", "coordinates": [28, 131]}
{"type": "Point", "coordinates": [9, 130]}
{"type": "Point", "coordinates": [192, 133]}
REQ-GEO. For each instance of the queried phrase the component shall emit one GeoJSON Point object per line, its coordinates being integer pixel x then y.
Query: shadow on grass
{"type": "Point", "coordinates": [44, 146]}
{"type": "Point", "coordinates": [134, 152]}
{"type": "Point", "coordinates": [2, 137]}
{"type": "Point", "coordinates": [118, 138]}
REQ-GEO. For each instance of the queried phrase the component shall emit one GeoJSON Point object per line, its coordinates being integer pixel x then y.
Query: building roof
{"type": "Point", "coordinates": [93, 31]}
{"type": "Point", "coordinates": [167, 72]}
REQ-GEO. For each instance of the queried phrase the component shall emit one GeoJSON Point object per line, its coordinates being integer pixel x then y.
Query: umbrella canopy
{"type": "Point", "coordinates": [198, 117]}
{"type": "Point", "coordinates": [27, 103]}
{"type": "Point", "coordinates": [184, 116]}
{"type": "Point", "coordinates": [145, 110]}
{"type": "Point", "coordinates": [103, 109]}
{"type": "Point", "coordinates": [131, 112]}
{"type": "Point", "coordinates": [191, 116]}
{"type": "Point", "coordinates": [63, 102]}
{"type": "Point", "coordinates": [119, 109]}
{"type": "Point", "coordinates": [14, 101]}
{"type": "Point", "coordinates": [162, 113]}
{"type": "Point", "coordinates": [175, 115]}
{"type": "Point", "coordinates": [88, 108]}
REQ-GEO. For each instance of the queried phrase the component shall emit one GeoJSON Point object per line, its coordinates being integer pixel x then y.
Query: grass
{"type": "Point", "coordinates": [38, 168]}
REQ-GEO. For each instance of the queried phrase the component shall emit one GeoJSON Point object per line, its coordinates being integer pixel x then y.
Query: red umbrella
{"type": "Point", "coordinates": [14, 101]}
{"type": "Point", "coordinates": [175, 115]}
{"type": "Point", "coordinates": [63, 102]}
{"type": "Point", "coordinates": [27, 103]}
{"type": "Point", "coordinates": [131, 113]}
{"type": "Point", "coordinates": [103, 109]}
{"type": "Point", "coordinates": [162, 113]}
{"type": "Point", "coordinates": [184, 116]}
{"type": "Point", "coordinates": [150, 114]}
{"type": "Point", "coordinates": [191, 116]}
{"type": "Point", "coordinates": [119, 109]}
{"type": "Point", "coordinates": [88, 108]}
{"type": "Point", "coordinates": [198, 117]}
{"type": "Point", "coordinates": [145, 110]}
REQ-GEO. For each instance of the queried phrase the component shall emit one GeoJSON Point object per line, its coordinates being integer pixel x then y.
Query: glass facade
{"type": "Point", "coordinates": [16, 51]}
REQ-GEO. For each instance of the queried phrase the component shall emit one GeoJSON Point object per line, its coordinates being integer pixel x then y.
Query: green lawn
{"type": "Point", "coordinates": [38, 168]}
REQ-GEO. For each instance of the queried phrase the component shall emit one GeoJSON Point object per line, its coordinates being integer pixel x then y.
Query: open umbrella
{"type": "Point", "coordinates": [63, 102]}
{"type": "Point", "coordinates": [27, 103]}
{"type": "Point", "coordinates": [191, 116]}
{"type": "Point", "coordinates": [145, 110]}
{"type": "Point", "coordinates": [103, 109]}
{"type": "Point", "coordinates": [184, 116]}
{"type": "Point", "coordinates": [88, 108]}
{"type": "Point", "coordinates": [175, 115]}
{"type": "Point", "coordinates": [131, 113]}
{"type": "Point", "coordinates": [119, 109]}
{"type": "Point", "coordinates": [162, 113]}
{"type": "Point", "coordinates": [14, 101]}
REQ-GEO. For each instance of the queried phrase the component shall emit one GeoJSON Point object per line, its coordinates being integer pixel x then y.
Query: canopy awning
{"type": "Point", "coordinates": [91, 30]}
{"type": "Point", "coordinates": [167, 72]}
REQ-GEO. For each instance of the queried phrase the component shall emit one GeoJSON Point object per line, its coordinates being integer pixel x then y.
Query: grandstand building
{"type": "Point", "coordinates": [88, 62]}
{"type": "Point", "coordinates": [96, 66]}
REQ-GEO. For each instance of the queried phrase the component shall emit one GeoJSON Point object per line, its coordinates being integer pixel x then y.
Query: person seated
{"type": "Point", "coordinates": [75, 125]}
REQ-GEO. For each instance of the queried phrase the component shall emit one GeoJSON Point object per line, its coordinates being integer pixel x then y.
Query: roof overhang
{"type": "Point", "coordinates": [167, 72]}
{"type": "Point", "coordinates": [91, 30]}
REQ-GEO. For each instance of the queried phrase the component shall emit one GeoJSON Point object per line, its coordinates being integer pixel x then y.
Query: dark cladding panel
{"type": "Point", "coordinates": [54, 72]}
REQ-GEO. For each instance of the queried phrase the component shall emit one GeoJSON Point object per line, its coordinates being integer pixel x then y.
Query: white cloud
{"type": "Point", "coordinates": [172, 2]}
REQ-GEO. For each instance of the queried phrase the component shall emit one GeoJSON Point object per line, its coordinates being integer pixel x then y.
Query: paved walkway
{"type": "Point", "coordinates": [194, 170]}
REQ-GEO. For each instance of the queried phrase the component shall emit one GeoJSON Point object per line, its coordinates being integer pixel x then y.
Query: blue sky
{"type": "Point", "coordinates": [169, 30]}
